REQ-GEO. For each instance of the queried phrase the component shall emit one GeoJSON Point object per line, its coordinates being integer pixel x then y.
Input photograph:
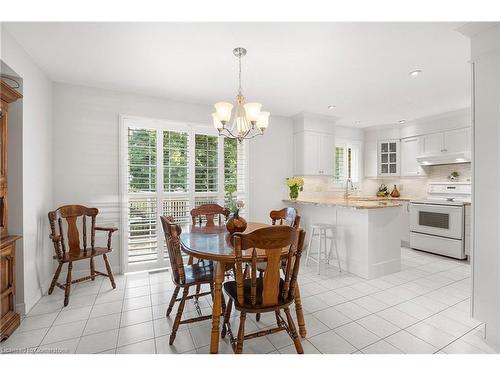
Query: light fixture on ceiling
{"type": "Point", "coordinates": [415, 73]}
{"type": "Point", "coordinates": [248, 121]}
{"type": "Point", "coordinates": [331, 107]}
{"type": "Point", "coordinates": [402, 121]}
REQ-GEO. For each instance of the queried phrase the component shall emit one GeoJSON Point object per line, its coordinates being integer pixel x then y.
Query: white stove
{"type": "Point", "coordinates": [440, 223]}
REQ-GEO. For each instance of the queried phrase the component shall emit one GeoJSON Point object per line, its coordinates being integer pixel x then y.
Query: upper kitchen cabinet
{"type": "Point", "coordinates": [388, 157]}
{"type": "Point", "coordinates": [457, 140]}
{"type": "Point", "coordinates": [451, 146]}
{"type": "Point", "coordinates": [314, 153]}
{"type": "Point", "coordinates": [410, 149]}
{"type": "Point", "coordinates": [370, 159]}
{"type": "Point", "coordinates": [431, 144]}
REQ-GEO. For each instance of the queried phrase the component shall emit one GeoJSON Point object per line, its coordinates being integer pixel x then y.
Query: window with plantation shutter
{"type": "Point", "coordinates": [346, 163]}
{"type": "Point", "coordinates": [142, 212]}
{"type": "Point", "coordinates": [168, 169]}
{"type": "Point", "coordinates": [235, 170]}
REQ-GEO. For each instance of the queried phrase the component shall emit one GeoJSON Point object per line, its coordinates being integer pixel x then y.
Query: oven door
{"type": "Point", "coordinates": [437, 220]}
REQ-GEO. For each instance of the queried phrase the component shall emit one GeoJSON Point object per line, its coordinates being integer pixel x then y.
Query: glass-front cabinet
{"type": "Point", "coordinates": [388, 157]}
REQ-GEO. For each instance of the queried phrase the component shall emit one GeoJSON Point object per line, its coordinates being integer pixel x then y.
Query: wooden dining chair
{"type": "Point", "coordinates": [285, 216]}
{"type": "Point", "coordinates": [184, 276]}
{"type": "Point", "coordinates": [73, 250]}
{"type": "Point", "coordinates": [280, 247]}
{"type": "Point", "coordinates": [209, 211]}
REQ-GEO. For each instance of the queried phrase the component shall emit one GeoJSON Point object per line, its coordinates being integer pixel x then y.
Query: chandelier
{"type": "Point", "coordinates": [248, 121]}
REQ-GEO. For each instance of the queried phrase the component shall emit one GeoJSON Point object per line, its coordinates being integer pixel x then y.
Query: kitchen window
{"type": "Point", "coordinates": [168, 169]}
{"type": "Point", "coordinates": [346, 163]}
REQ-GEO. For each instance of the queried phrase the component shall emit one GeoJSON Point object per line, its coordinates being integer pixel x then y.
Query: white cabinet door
{"type": "Point", "coordinates": [370, 159]}
{"type": "Point", "coordinates": [431, 144]}
{"type": "Point", "coordinates": [457, 140]}
{"type": "Point", "coordinates": [410, 149]}
{"type": "Point", "coordinates": [388, 157]}
{"type": "Point", "coordinates": [311, 153]}
{"type": "Point", "coordinates": [405, 223]}
{"type": "Point", "coordinates": [314, 154]}
{"type": "Point", "coordinates": [326, 154]}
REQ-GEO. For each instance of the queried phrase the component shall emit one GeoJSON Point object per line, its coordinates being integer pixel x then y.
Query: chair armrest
{"type": "Point", "coordinates": [107, 229]}
{"type": "Point", "coordinates": [110, 231]}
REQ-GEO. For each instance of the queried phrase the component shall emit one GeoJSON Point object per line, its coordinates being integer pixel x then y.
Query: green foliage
{"type": "Point", "coordinates": [205, 163]}
{"type": "Point", "coordinates": [142, 160]}
{"type": "Point", "coordinates": [175, 161]}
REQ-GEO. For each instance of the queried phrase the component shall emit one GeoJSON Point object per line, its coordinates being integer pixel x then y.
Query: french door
{"type": "Point", "coordinates": [167, 169]}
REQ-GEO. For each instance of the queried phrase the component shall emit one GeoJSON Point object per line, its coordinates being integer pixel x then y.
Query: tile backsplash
{"type": "Point", "coordinates": [412, 187]}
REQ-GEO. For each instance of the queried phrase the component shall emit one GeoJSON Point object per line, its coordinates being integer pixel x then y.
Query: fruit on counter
{"type": "Point", "coordinates": [395, 192]}
{"type": "Point", "coordinates": [382, 191]}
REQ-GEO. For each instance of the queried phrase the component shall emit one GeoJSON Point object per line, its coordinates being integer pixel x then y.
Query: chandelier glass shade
{"type": "Point", "coordinates": [248, 121]}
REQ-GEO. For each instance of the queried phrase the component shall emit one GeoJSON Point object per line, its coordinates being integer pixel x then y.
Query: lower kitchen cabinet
{"type": "Point", "coordinates": [405, 223]}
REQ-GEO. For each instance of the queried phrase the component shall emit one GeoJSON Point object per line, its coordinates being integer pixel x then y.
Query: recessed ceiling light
{"type": "Point", "coordinates": [331, 107]}
{"type": "Point", "coordinates": [415, 73]}
{"type": "Point", "coordinates": [402, 121]}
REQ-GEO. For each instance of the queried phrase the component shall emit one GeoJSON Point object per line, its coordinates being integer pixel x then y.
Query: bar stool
{"type": "Point", "coordinates": [320, 230]}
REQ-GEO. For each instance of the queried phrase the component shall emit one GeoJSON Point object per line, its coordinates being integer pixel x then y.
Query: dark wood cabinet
{"type": "Point", "coordinates": [9, 319]}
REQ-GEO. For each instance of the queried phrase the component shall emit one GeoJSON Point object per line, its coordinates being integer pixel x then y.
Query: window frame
{"type": "Point", "coordinates": [355, 146]}
{"type": "Point", "coordinates": [160, 125]}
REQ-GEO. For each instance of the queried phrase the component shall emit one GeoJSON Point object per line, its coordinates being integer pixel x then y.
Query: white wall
{"type": "Point", "coordinates": [86, 143]}
{"type": "Point", "coordinates": [34, 253]}
{"type": "Point", "coordinates": [271, 162]}
{"type": "Point", "coordinates": [485, 54]}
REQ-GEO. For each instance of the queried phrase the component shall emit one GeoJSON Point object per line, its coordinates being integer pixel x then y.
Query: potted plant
{"type": "Point", "coordinates": [295, 184]}
{"type": "Point", "coordinates": [453, 176]}
{"type": "Point", "coordinates": [235, 223]}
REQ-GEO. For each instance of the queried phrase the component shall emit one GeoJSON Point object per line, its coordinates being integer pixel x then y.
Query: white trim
{"type": "Point", "coordinates": [20, 308]}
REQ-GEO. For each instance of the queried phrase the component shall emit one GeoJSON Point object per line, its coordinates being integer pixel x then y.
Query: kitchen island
{"type": "Point", "coordinates": [368, 236]}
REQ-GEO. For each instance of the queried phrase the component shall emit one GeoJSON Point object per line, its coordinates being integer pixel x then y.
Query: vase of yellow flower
{"type": "Point", "coordinates": [295, 184]}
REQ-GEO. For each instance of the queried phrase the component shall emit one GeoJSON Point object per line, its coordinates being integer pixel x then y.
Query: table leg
{"type": "Point", "coordinates": [217, 306]}
{"type": "Point", "coordinates": [300, 313]}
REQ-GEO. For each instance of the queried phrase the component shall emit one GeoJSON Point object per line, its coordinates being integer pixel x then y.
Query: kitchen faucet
{"type": "Point", "coordinates": [348, 184]}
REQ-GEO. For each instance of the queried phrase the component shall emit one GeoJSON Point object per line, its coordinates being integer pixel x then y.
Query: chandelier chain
{"type": "Point", "coordinates": [239, 75]}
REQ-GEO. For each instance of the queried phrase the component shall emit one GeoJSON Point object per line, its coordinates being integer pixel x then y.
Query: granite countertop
{"type": "Point", "coordinates": [375, 198]}
{"type": "Point", "coordinates": [352, 202]}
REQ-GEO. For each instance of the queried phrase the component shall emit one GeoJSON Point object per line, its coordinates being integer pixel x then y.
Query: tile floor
{"type": "Point", "coordinates": [424, 308]}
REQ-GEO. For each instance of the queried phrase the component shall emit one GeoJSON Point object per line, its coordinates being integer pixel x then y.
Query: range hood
{"type": "Point", "coordinates": [444, 158]}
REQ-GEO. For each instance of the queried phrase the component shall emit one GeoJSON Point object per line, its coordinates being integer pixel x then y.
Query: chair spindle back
{"type": "Point", "coordinates": [172, 233]}
{"type": "Point", "coordinates": [209, 211]}
{"type": "Point", "coordinates": [70, 214]}
{"type": "Point", "coordinates": [286, 216]}
{"type": "Point", "coordinates": [268, 245]}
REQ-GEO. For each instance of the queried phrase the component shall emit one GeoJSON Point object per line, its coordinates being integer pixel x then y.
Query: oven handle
{"type": "Point", "coordinates": [437, 205]}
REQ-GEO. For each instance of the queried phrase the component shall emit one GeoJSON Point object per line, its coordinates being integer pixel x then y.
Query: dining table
{"type": "Point", "coordinates": [214, 243]}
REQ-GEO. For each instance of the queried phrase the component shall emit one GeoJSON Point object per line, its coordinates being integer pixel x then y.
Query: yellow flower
{"type": "Point", "coordinates": [295, 181]}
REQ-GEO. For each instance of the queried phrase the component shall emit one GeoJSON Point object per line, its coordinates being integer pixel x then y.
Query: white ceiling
{"type": "Point", "coordinates": [361, 68]}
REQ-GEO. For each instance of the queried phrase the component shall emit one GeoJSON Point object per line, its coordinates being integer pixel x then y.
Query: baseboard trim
{"type": "Point", "coordinates": [20, 308]}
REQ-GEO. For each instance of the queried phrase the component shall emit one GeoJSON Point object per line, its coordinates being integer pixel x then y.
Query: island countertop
{"type": "Point", "coordinates": [352, 202]}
